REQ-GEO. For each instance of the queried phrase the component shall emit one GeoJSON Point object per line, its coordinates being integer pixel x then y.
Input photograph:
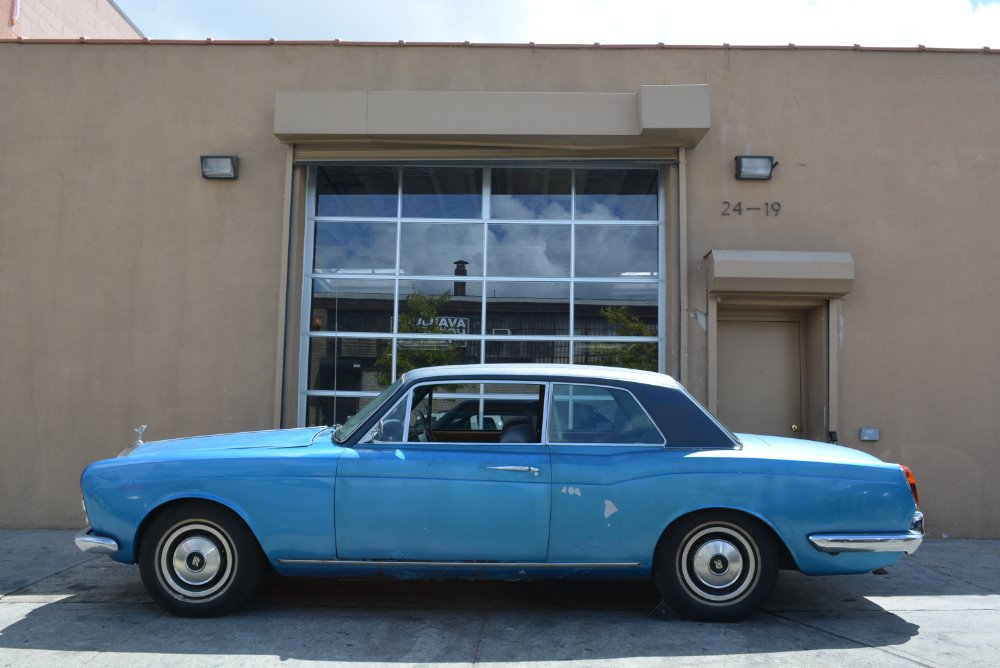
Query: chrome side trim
{"type": "Point", "coordinates": [835, 543]}
{"type": "Point", "coordinates": [455, 564]}
{"type": "Point", "coordinates": [86, 541]}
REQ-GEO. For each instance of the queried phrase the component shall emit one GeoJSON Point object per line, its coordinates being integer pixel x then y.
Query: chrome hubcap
{"type": "Point", "coordinates": [718, 563]}
{"type": "Point", "coordinates": [196, 560]}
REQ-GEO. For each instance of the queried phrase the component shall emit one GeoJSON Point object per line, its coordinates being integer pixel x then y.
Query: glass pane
{"type": "Point", "coordinates": [441, 249]}
{"type": "Point", "coordinates": [617, 250]}
{"type": "Point", "coordinates": [616, 194]}
{"type": "Point", "coordinates": [437, 307]}
{"type": "Point", "coordinates": [615, 309]}
{"type": "Point", "coordinates": [363, 248]}
{"type": "Point", "coordinates": [529, 194]}
{"type": "Point", "coordinates": [545, 352]}
{"type": "Point", "coordinates": [329, 411]}
{"type": "Point", "coordinates": [351, 306]}
{"type": "Point", "coordinates": [528, 250]}
{"type": "Point", "coordinates": [391, 427]}
{"type": "Point", "coordinates": [417, 353]}
{"type": "Point", "coordinates": [458, 410]}
{"type": "Point", "coordinates": [522, 308]}
{"type": "Point", "coordinates": [347, 429]}
{"type": "Point", "coordinates": [357, 192]}
{"type": "Point", "coordinates": [587, 414]}
{"type": "Point", "coordinates": [349, 365]}
{"type": "Point", "coordinates": [625, 355]}
{"type": "Point", "coordinates": [442, 192]}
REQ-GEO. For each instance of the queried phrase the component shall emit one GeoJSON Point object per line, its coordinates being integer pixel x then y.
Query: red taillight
{"type": "Point", "coordinates": [913, 482]}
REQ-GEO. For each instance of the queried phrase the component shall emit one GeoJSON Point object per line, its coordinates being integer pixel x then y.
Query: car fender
{"type": "Point", "coordinates": [776, 531]}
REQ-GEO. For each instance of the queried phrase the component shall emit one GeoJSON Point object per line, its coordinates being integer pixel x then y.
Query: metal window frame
{"type": "Point", "coordinates": [483, 337]}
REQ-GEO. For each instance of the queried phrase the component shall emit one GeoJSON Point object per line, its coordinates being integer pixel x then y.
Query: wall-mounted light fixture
{"type": "Point", "coordinates": [755, 167]}
{"type": "Point", "coordinates": [220, 167]}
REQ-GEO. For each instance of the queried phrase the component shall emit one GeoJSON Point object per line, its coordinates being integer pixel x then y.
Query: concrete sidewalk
{"type": "Point", "coordinates": [58, 606]}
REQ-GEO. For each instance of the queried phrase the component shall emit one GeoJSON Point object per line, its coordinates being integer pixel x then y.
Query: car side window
{"type": "Point", "coordinates": [600, 415]}
{"type": "Point", "coordinates": [390, 427]}
{"type": "Point", "coordinates": [476, 412]}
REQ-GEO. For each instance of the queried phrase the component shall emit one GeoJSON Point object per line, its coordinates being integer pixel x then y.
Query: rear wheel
{"type": "Point", "coordinates": [199, 560]}
{"type": "Point", "coordinates": [718, 566]}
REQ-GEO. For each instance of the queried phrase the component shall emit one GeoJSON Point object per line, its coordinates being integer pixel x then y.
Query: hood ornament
{"type": "Point", "coordinates": [138, 434]}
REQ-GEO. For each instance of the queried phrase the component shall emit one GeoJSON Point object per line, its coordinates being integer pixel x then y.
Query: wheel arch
{"type": "Point", "coordinates": [190, 499]}
{"type": "Point", "coordinates": [786, 558]}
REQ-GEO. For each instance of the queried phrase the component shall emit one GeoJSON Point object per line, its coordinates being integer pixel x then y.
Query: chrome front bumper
{"type": "Point", "coordinates": [902, 542]}
{"type": "Point", "coordinates": [87, 542]}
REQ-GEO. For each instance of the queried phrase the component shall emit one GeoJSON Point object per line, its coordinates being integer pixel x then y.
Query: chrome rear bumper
{"type": "Point", "coordinates": [902, 542]}
{"type": "Point", "coordinates": [87, 542]}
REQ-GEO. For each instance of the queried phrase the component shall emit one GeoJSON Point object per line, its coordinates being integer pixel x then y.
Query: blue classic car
{"type": "Point", "coordinates": [502, 471]}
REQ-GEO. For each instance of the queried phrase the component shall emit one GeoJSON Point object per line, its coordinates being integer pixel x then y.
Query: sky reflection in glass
{"type": "Point", "coordinates": [617, 250]}
{"type": "Point", "coordinates": [528, 250]}
{"type": "Point", "coordinates": [442, 192]}
{"type": "Point", "coordinates": [531, 194]}
{"type": "Point", "coordinates": [367, 248]}
{"type": "Point", "coordinates": [431, 249]}
{"type": "Point", "coordinates": [357, 192]}
{"type": "Point", "coordinates": [616, 194]}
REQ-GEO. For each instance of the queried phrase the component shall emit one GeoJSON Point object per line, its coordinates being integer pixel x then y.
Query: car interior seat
{"type": "Point", "coordinates": [518, 430]}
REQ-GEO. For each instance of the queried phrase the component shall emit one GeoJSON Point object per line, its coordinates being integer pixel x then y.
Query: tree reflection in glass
{"type": "Point", "coordinates": [420, 316]}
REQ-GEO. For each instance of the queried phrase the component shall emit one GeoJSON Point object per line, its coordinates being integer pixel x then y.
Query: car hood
{"type": "Point", "coordinates": [277, 438]}
{"type": "Point", "coordinates": [780, 447]}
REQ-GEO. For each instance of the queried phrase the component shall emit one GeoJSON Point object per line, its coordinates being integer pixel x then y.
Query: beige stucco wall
{"type": "Point", "coordinates": [133, 291]}
{"type": "Point", "coordinates": [65, 19]}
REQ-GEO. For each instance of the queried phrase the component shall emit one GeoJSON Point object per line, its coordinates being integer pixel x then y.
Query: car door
{"type": "Point", "coordinates": [470, 492]}
{"type": "Point", "coordinates": [607, 467]}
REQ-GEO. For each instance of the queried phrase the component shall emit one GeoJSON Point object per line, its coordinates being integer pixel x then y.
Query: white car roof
{"type": "Point", "coordinates": [546, 372]}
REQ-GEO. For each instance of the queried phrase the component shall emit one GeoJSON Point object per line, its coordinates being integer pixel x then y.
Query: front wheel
{"type": "Point", "coordinates": [199, 560]}
{"type": "Point", "coordinates": [717, 567]}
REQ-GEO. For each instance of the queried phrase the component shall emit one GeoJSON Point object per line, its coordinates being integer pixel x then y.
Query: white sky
{"type": "Point", "coordinates": [894, 23]}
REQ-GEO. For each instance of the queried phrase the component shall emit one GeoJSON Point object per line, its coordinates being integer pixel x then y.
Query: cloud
{"type": "Point", "coordinates": [937, 23]}
{"type": "Point", "coordinates": [520, 207]}
{"type": "Point", "coordinates": [597, 211]}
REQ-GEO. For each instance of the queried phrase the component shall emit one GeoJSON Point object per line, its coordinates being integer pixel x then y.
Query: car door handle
{"type": "Point", "coordinates": [517, 469]}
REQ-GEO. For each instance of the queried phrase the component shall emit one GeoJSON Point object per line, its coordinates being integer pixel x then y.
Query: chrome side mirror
{"type": "Point", "coordinates": [373, 435]}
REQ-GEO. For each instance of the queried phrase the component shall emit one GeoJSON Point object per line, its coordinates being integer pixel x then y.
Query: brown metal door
{"type": "Point", "coordinates": [760, 375]}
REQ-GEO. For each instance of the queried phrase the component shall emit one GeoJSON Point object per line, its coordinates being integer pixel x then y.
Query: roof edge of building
{"type": "Point", "coordinates": [506, 45]}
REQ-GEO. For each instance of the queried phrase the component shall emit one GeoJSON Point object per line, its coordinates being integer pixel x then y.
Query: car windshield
{"type": "Point", "coordinates": [345, 430]}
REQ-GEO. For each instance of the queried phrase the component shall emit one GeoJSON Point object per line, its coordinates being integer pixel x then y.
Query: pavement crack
{"type": "Point", "coordinates": [118, 641]}
{"type": "Point", "coordinates": [479, 638]}
{"type": "Point", "coordinates": [860, 643]}
{"type": "Point", "coordinates": [951, 574]}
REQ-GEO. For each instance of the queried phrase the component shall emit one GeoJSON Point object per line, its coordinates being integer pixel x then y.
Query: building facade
{"type": "Point", "coordinates": [403, 205]}
{"type": "Point", "coordinates": [64, 19]}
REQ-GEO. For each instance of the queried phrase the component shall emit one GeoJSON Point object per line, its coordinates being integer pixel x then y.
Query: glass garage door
{"type": "Point", "coordinates": [410, 266]}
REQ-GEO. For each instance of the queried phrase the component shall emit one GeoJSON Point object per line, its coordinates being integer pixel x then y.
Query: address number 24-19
{"type": "Point", "coordinates": [738, 209]}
